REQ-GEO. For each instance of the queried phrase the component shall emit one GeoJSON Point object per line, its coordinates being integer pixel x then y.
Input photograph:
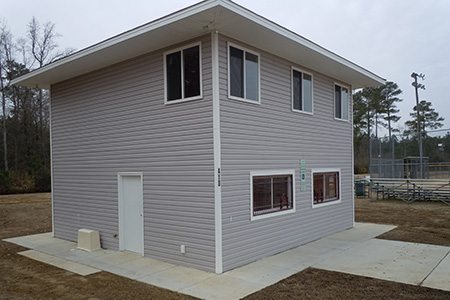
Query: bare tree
{"type": "Point", "coordinates": [45, 50]}
{"type": "Point", "coordinates": [6, 52]}
{"type": "Point", "coordinates": [43, 42]}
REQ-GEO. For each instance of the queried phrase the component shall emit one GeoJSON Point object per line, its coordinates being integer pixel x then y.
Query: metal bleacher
{"type": "Point", "coordinates": [410, 190]}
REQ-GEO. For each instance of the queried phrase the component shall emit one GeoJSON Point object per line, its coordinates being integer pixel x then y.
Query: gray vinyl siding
{"type": "Point", "coordinates": [114, 120]}
{"type": "Point", "coordinates": [270, 136]}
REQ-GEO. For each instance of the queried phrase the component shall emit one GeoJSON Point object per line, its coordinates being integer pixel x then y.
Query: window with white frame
{"type": "Point", "coordinates": [326, 186]}
{"type": "Point", "coordinates": [272, 193]}
{"type": "Point", "coordinates": [183, 74]}
{"type": "Point", "coordinates": [341, 102]}
{"type": "Point", "coordinates": [243, 74]}
{"type": "Point", "coordinates": [302, 91]}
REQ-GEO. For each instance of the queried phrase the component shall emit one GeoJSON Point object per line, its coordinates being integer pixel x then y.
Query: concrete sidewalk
{"type": "Point", "coordinates": [353, 251]}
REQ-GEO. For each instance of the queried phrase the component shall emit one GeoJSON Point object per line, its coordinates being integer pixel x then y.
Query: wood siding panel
{"type": "Point", "coordinates": [270, 136]}
{"type": "Point", "coordinates": [114, 120]}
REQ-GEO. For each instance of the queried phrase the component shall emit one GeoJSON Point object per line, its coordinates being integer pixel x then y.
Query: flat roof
{"type": "Point", "coordinates": [224, 16]}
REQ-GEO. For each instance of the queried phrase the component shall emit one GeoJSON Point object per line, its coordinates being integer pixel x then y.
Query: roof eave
{"type": "Point", "coordinates": [224, 16]}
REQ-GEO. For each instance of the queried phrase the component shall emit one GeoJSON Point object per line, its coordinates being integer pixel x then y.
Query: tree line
{"type": "Point", "coordinates": [25, 150]}
{"type": "Point", "coordinates": [375, 108]}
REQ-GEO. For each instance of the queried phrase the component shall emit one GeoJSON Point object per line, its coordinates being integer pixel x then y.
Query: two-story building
{"type": "Point", "coordinates": [209, 138]}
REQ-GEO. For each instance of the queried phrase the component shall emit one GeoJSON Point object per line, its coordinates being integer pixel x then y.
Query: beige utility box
{"type": "Point", "coordinates": [88, 240]}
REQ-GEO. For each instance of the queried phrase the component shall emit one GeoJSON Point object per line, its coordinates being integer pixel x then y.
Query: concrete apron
{"type": "Point", "coordinates": [353, 251]}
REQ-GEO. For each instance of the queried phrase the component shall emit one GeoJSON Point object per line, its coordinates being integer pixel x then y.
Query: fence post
{"type": "Point", "coordinates": [407, 187]}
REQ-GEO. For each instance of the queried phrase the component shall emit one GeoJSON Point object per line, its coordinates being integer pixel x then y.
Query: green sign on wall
{"type": "Point", "coordinates": [302, 175]}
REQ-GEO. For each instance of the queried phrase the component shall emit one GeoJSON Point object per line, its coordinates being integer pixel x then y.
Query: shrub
{"type": "Point", "coordinates": [15, 182]}
{"type": "Point", "coordinates": [43, 181]}
{"type": "Point", "coordinates": [4, 182]}
{"type": "Point", "coordinates": [21, 182]}
{"type": "Point", "coordinates": [360, 169]}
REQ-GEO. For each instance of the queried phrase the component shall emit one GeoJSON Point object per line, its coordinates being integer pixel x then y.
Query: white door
{"type": "Point", "coordinates": [131, 210]}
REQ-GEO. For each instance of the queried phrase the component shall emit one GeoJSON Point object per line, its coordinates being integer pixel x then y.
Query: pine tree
{"type": "Point", "coordinates": [429, 119]}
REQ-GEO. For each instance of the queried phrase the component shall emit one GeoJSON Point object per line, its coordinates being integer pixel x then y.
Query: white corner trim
{"type": "Point", "coordinates": [217, 151]}
{"type": "Point", "coordinates": [353, 160]}
{"type": "Point", "coordinates": [51, 166]}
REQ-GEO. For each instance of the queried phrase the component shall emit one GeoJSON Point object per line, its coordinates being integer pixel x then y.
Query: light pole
{"type": "Point", "coordinates": [418, 86]}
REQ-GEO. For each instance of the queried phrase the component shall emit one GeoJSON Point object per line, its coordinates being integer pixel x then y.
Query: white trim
{"type": "Point", "coordinates": [325, 170]}
{"type": "Point", "coordinates": [123, 37]}
{"type": "Point", "coordinates": [246, 13]}
{"type": "Point", "coordinates": [244, 99]}
{"type": "Point", "coordinates": [292, 91]}
{"type": "Point", "coordinates": [180, 49]}
{"type": "Point", "coordinates": [334, 101]}
{"type": "Point", "coordinates": [120, 175]}
{"type": "Point", "coordinates": [269, 173]}
{"type": "Point", "coordinates": [217, 151]}
{"type": "Point", "coordinates": [188, 12]}
{"type": "Point", "coordinates": [51, 166]}
{"type": "Point", "coordinates": [353, 162]}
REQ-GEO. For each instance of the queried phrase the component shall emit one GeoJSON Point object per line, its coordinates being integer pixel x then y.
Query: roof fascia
{"type": "Point", "coordinates": [297, 38]}
{"type": "Point", "coordinates": [173, 17]}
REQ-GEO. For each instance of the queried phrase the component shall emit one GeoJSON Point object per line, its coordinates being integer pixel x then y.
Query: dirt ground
{"type": "Point", "coordinates": [23, 278]}
{"type": "Point", "coordinates": [419, 222]}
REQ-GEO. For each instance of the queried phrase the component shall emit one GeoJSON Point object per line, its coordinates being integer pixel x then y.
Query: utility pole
{"type": "Point", "coordinates": [418, 86]}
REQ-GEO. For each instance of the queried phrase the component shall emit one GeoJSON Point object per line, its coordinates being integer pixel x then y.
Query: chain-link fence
{"type": "Point", "coordinates": [409, 167]}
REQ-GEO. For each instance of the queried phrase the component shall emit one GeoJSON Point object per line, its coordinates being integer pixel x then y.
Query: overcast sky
{"type": "Point", "coordinates": [391, 38]}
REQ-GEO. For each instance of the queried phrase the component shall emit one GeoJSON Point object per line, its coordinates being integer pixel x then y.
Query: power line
{"type": "Point", "coordinates": [438, 130]}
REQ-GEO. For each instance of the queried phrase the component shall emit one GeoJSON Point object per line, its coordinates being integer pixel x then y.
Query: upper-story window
{"type": "Point", "coordinates": [243, 75]}
{"type": "Point", "coordinates": [341, 102]}
{"type": "Point", "coordinates": [183, 74]}
{"type": "Point", "coordinates": [302, 91]}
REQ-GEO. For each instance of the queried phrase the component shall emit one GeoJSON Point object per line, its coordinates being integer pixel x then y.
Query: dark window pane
{"type": "Point", "coordinates": [307, 92]}
{"type": "Point", "coordinates": [251, 76]}
{"type": "Point", "coordinates": [345, 103]}
{"type": "Point", "coordinates": [282, 192]}
{"type": "Point", "coordinates": [337, 103]}
{"type": "Point", "coordinates": [262, 193]}
{"type": "Point", "coordinates": [318, 188]}
{"type": "Point", "coordinates": [330, 181]}
{"type": "Point", "coordinates": [297, 89]}
{"type": "Point", "coordinates": [191, 59]}
{"type": "Point", "coordinates": [173, 66]}
{"type": "Point", "coordinates": [333, 186]}
{"type": "Point", "coordinates": [236, 72]}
